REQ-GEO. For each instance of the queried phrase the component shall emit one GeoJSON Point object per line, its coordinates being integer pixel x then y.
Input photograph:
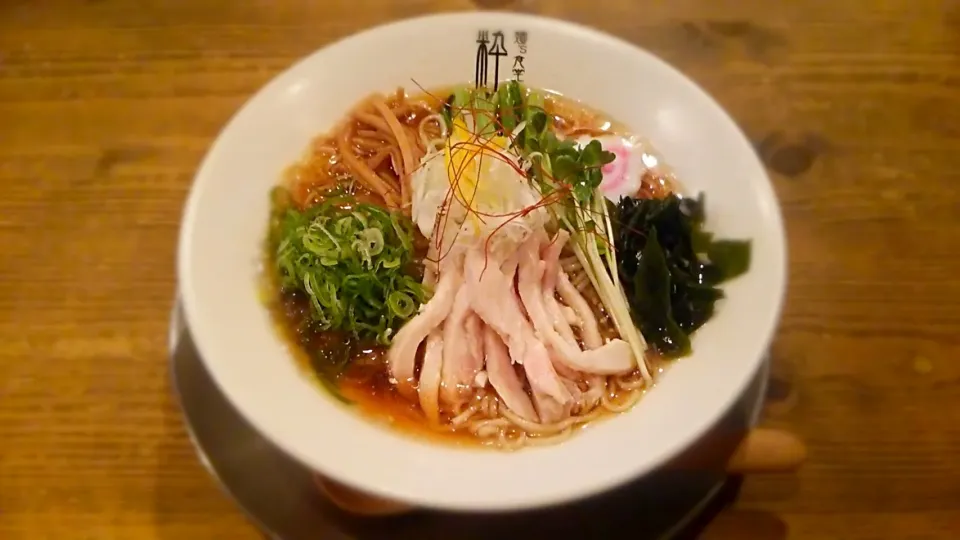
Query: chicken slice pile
{"type": "Point", "coordinates": [495, 321]}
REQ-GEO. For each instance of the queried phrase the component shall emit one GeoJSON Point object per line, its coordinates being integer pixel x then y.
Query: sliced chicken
{"type": "Point", "coordinates": [551, 397]}
{"type": "Point", "coordinates": [589, 329]}
{"type": "Point", "coordinates": [612, 357]}
{"type": "Point", "coordinates": [504, 378]}
{"type": "Point", "coordinates": [461, 360]}
{"type": "Point", "coordinates": [402, 355]}
{"type": "Point", "coordinates": [495, 301]}
{"type": "Point", "coordinates": [475, 340]}
{"type": "Point", "coordinates": [573, 389]}
{"type": "Point", "coordinates": [551, 259]}
{"type": "Point", "coordinates": [609, 359]}
{"type": "Point", "coordinates": [551, 410]}
{"type": "Point", "coordinates": [565, 372]}
{"type": "Point", "coordinates": [428, 387]}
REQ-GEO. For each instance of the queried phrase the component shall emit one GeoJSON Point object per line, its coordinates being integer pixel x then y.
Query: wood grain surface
{"type": "Point", "coordinates": [107, 107]}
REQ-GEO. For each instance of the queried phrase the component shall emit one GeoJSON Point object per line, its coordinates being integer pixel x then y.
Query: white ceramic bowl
{"type": "Point", "coordinates": [225, 221]}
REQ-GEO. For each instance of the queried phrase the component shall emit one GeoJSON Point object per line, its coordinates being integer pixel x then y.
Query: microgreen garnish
{"type": "Point", "coordinates": [567, 165]}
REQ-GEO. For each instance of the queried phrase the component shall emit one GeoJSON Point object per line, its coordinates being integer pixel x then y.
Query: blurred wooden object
{"type": "Point", "coordinates": [107, 107]}
{"type": "Point", "coordinates": [767, 451]}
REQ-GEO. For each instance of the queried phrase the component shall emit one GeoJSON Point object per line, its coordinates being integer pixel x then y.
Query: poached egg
{"type": "Point", "coordinates": [472, 187]}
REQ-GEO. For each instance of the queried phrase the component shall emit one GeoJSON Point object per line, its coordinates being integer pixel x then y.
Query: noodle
{"type": "Point", "coordinates": [400, 133]}
{"type": "Point", "coordinates": [464, 416]}
{"type": "Point", "coordinates": [376, 121]}
{"type": "Point", "coordinates": [324, 147]}
{"type": "Point", "coordinates": [368, 144]}
{"type": "Point", "coordinates": [377, 159]}
{"type": "Point", "coordinates": [418, 149]}
{"type": "Point", "coordinates": [372, 133]}
{"type": "Point", "coordinates": [359, 149]}
{"type": "Point", "coordinates": [435, 142]}
{"type": "Point", "coordinates": [495, 424]}
{"type": "Point", "coordinates": [632, 397]}
{"type": "Point", "coordinates": [395, 162]}
{"type": "Point", "coordinates": [363, 173]}
{"type": "Point", "coordinates": [581, 282]}
{"type": "Point", "coordinates": [631, 384]}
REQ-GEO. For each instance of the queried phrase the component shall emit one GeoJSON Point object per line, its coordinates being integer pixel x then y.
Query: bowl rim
{"type": "Point", "coordinates": [506, 501]}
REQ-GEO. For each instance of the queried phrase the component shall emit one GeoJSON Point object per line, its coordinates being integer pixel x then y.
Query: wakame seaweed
{"type": "Point", "coordinates": [670, 267]}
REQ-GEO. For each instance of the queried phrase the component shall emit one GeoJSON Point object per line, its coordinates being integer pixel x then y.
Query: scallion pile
{"type": "Point", "coordinates": [354, 263]}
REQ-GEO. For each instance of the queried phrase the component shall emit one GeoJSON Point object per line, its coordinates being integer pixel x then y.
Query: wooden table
{"type": "Point", "coordinates": [106, 108]}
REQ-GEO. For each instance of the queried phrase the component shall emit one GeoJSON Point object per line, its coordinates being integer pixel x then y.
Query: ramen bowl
{"type": "Point", "coordinates": [224, 225]}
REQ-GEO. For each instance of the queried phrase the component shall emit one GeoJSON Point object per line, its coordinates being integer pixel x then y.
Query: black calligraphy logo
{"type": "Point", "coordinates": [520, 38]}
{"type": "Point", "coordinates": [497, 49]}
{"type": "Point", "coordinates": [481, 67]}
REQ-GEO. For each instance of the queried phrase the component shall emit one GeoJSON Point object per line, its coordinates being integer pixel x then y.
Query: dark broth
{"type": "Point", "coordinates": [364, 382]}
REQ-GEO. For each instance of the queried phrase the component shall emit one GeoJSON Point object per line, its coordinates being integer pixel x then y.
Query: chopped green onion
{"type": "Point", "coordinates": [461, 100]}
{"type": "Point", "coordinates": [536, 118]}
{"type": "Point", "coordinates": [351, 263]}
{"type": "Point", "coordinates": [401, 304]}
{"type": "Point", "coordinates": [509, 105]}
{"type": "Point", "coordinates": [485, 113]}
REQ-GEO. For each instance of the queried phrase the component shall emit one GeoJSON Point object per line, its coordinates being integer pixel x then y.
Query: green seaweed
{"type": "Point", "coordinates": [671, 267]}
